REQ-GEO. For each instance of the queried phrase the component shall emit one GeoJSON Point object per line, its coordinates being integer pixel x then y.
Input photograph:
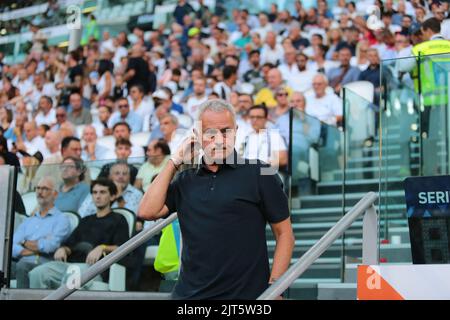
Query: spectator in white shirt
{"type": "Point", "coordinates": [33, 142]}
{"type": "Point", "coordinates": [23, 82]}
{"type": "Point", "coordinates": [224, 88]}
{"type": "Point", "coordinates": [261, 143]}
{"type": "Point", "coordinates": [46, 114]}
{"type": "Point", "coordinates": [171, 134]}
{"type": "Point", "coordinates": [289, 68]}
{"type": "Point", "coordinates": [122, 130]}
{"type": "Point", "coordinates": [197, 98]}
{"type": "Point", "coordinates": [141, 106]}
{"type": "Point", "coordinates": [272, 51]}
{"type": "Point", "coordinates": [303, 79]}
{"type": "Point", "coordinates": [53, 144]}
{"type": "Point", "coordinates": [264, 25]}
{"type": "Point", "coordinates": [327, 107]}
{"type": "Point", "coordinates": [41, 87]}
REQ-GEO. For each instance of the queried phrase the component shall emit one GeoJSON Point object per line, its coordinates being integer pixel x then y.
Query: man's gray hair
{"type": "Point", "coordinates": [172, 117]}
{"type": "Point", "coordinates": [216, 105]}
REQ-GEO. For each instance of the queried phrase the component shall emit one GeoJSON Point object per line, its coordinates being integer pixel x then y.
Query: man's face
{"type": "Point", "coordinates": [301, 62]}
{"type": "Point", "coordinates": [344, 57]}
{"type": "Point", "coordinates": [69, 170]}
{"type": "Point", "coordinates": [298, 102]}
{"type": "Point", "coordinates": [274, 78]}
{"type": "Point", "coordinates": [282, 98]}
{"type": "Point", "coordinates": [154, 154]}
{"type": "Point", "coordinates": [30, 130]}
{"type": "Point", "coordinates": [123, 107]}
{"type": "Point", "coordinates": [51, 139]}
{"type": "Point", "coordinates": [45, 193]}
{"type": "Point", "coordinates": [61, 115]}
{"type": "Point", "coordinates": [319, 85]}
{"type": "Point", "coordinates": [218, 135]}
{"type": "Point", "coordinates": [75, 101]}
{"type": "Point", "coordinates": [73, 150]}
{"type": "Point", "coordinates": [44, 105]}
{"type": "Point", "coordinates": [103, 114]}
{"type": "Point", "coordinates": [135, 93]}
{"type": "Point", "coordinates": [123, 151]}
{"type": "Point", "coordinates": [199, 87]}
{"type": "Point", "coordinates": [167, 126]}
{"type": "Point", "coordinates": [244, 103]}
{"type": "Point", "coordinates": [120, 175]}
{"type": "Point", "coordinates": [257, 119]}
{"type": "Point", "coordinates": [89, 135]}
{"type": "Point", "coordinates": [373, 58]}
{"type": "Point", "coordinates": [121, 132]}
{"type": "Point", "coordinates": [289, 56]}
{"type": "Point", "coordinates": [254, 59]}
{"type": "Point", "coordinates": [101, 196]}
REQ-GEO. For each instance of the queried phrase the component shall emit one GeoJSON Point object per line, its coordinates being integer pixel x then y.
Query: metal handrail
{"type": "Point", "coordinates": [370, 245]}
{"type": "Point", "coordinates": [102, 265]}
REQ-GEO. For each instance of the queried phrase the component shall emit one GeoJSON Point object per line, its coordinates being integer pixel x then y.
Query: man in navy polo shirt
{"type": "Point", "coordinates": [223, 206]}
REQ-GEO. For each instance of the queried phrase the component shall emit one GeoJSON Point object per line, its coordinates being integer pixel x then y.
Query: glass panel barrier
{"type": "Point", "coordinates": [361, 165]}
{"type": "Point", "coordinates": [316, 195]}
{"type": "Point", "coordinates": [34, 252]}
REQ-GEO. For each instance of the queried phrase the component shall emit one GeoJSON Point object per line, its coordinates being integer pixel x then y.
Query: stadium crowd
{"type": "Point", "coordinates": [62, 112]}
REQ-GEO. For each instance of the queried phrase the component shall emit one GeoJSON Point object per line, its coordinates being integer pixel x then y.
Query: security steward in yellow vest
{"type": "Point", "coordinates": [430, 80]}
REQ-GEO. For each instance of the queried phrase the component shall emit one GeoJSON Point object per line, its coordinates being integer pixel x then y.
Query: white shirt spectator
{"type": "Point", "coordinates": [24, 86]}
{"type": "Point", "coordinates": [273, 56]}
{"type": "Point", "coordinates": [262, 31]}
{"type": "Point", "coordinates": [47, 90]}
{"type": "Point", "coordinates": [445, 29]}
{"type": "Point", "coordinates": [326, 109]}
{"type": "Point", "coordinates": [263, 145]}
{"type": "Point", "coordinates": [47, 119]}
{"type": "Point", "coordinates": [223, 90]}
{"type": "Point", "coordinates": [301, 81]}
{"type": "Point", "coordinates": [191, 107]}
{"type": "Point", "coordinates": [35, 145]}
{"type": "Point", "coordinates": [145, 108]}
{"type": "Point", "coordinates": [288, 72]}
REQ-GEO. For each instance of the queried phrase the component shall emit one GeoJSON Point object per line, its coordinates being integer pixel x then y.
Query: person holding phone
{"type": "Point", "coordinates": [223, 206]}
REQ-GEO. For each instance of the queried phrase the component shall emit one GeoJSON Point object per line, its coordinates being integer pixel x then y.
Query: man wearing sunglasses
{"type": "Point", "coordinates": [40, 235]}
{"type": "Point", "coordinates": [125, 114]}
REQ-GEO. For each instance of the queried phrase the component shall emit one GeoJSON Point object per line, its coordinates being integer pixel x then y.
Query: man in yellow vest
{"type": "Point", "coordinates": [429, 79]}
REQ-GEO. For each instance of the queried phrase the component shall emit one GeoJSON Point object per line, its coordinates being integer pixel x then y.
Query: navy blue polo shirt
{"type": "Point", "coordinates": [223, 218]}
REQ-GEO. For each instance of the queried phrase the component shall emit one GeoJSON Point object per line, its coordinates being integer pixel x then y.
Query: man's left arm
{"type": "Point", "coordinates": [285, 241]}
{"type": "Point", "coordinates": [58, 235]}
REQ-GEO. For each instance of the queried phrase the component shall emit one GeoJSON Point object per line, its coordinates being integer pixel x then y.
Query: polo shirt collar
{"type": "Point", "coordinates": [231, 161]}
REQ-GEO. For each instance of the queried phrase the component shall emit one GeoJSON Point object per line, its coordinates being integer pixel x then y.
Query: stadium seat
{"type": "Point", "coordinates": [107, 141]}
{"type": "Point", "coordinates": [18, 219]}
{"type": "Point", "coordinates": [30, 202]}
{"type": "Point", "coordinates": [365, 89]}
{"type": "Point", "coordinates": [94, 172]}
{"type": "Point", "coordinates": [74, 219]}
{"type": "Point", "coordinates": [140, 139]}
{"type": "Point", "coordinates": [129, 216]}
{"type": "Point", "coordinates": [139, 8]}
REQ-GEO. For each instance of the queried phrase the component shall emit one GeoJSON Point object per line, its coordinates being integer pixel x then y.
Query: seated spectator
{"type": "Point", "coordinates": [172, 134]}
{"type": "Point", "coordinates": [33, 142]}
{"type": "Point", "coordinates": [343, 74]}
{"type": "Point", "coordinates": [124, 114]}
{"type": "Point", "coordinates": [289, 68]}
{"type": "Point", "coordinates": [139, 104]}
{"type": "Point", "coordinates": [122, 130]}
{"type": "Point", "coordinates": [38, 237]}
{"type": "Point", "coordinates": [158, 153]}
{"type": "Point", "coordinates": [70, 147]}
{"type": "Point", "coordinates": [261, 143]}
{"type": "Point", "coordinates": [267, 95]}
{"type": "Point", "coordinates": [61, 118]}
{"type": "Point", "coordinates": [327, 107]}
{"type": "Point", "coordinates": [84, 245]}
{"type": "Point", "coordinates": [302, 80]}
{"type": "Point", "coordinates": [122, 153]}
{"type": "Point", "coordinates": [78, 115]}
{"type": "Point", "coordinates": [272, 51]}
{"type": "Point", "coordinates": [46, 114]}
{"type": "Point", "coordinates": [73, 191]}
{"type": "Point", "coordinates": [198, 97]}
{"type": "Point", "coordinates": [91, 149]}
{"type": "Point", "coordinates": [102, 126]}
{"type": "Point", "coordinates": [52, 144]}
{"type": "Point", "coordinates": [127, 196]}
{"type": "Point", "coordinates": [225, 87]}
{"type": "Point", "coordinates": [254, 75]}
{"type": "Point", "coordinates": [282, 107]}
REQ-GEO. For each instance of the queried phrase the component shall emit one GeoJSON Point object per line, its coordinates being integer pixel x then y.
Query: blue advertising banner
{"type": "Point", "coordinates": [428, 209]}
{"type": "Point", "coordinates": [427, 196]}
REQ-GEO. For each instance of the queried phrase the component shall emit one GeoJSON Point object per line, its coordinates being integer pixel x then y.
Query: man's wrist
{"type": "Point", "coordinates": [176, 163]}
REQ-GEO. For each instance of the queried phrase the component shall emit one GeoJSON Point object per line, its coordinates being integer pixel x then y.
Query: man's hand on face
{"type": "Point", "coordinates": [187, 151]}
